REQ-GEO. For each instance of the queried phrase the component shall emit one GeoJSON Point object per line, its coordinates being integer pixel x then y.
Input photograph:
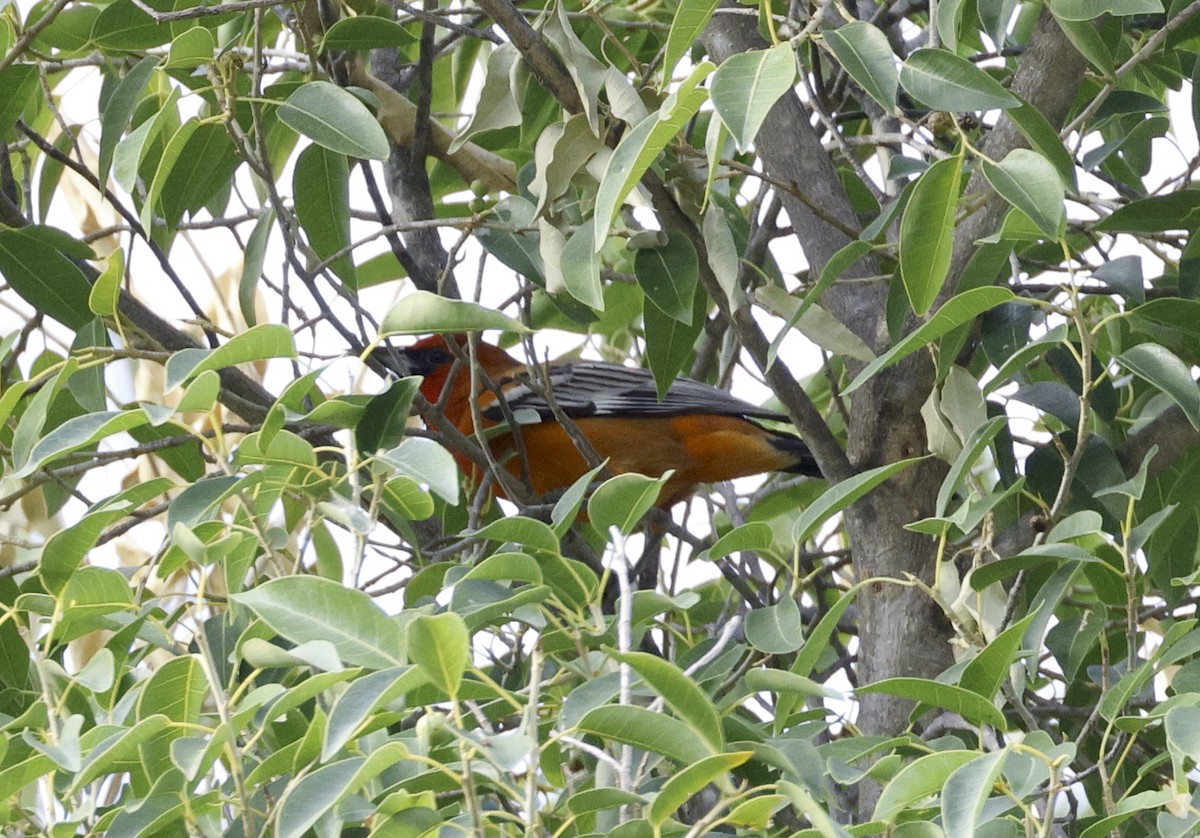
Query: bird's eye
{"type": "Point", "coordinates": [439, 357]}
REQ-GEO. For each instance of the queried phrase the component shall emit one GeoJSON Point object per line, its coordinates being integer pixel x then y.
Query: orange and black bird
{"type": "Point", "coordinates": [703, 434]}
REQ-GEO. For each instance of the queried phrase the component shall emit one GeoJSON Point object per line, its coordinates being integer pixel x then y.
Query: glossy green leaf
{"type": "Point", "coordinates": [776, 629]}
{"type": "Point", "coordinates": [1178, 210]}
{"type": "Point", "coordinates": [865, 54]}
{"type": "Point", "coordinates": [361, 699]}
{"type": "Point", "coordinates": [46, 277]}
{"type": "Point", "coordinates": [422, 312]}
{"type": "Point", "coordinates": [971, 706]}
{"type": "Point", "coordinates": [966, 791]}
{"type": "Point", "coordinates": [984, 673]}
{"type": "Point", "coordinates": [1165, 370]}
{"type": "Point", "coordinates": [754, 535]}
{"type": "Point", "coordinates": [365, 32]}
{"type": "Point", "coordinates": [691, 16]}
{"type": "Point", "coordinates": [1029, 182]}
{"type": "Point", "coordinates": [441, 646]}
{"type": "Point", "coordinates": [927, 233]}
{"type": "Point", "coordinates": [669, 274]}
{"type": "Point", "coordinates": [77, 433]}
{"type": "Point", "coordinates": [842, 494]}
{"type": "Point", "coordinates": [321, 184]}
{"type": "Point", "coordinates": [642, 145]}
{"type": "Point", "coordinates": [18, 83]}
{"type": "Point", "coordinates": [623, 500]}
{"type": "Point", "coordinates": [305, 608]}
{"type": "Point", "coordinates": [122, 26]}
{"type": "Point", "coordinates": [647, 730]}
{"type": "Point", "coordinates": [1092, 9]}
{"type": "Point", "coordinates": [959, 309]}
{"type": "Point", "coordinates": [115, 116]}
{"type": "Point", "coordinates": [267, 340]}
{"type": "Point", "coordinates": [336, 119]}
{"type": "Point", "coordinates": [747, 85]}
{"type": "Point", "coordinates": [680, 788]}
{"type": "Point", "coordinates": [941, 80]}
{"type": "Point", "coordinates": [681, 693]}
{"type": "Point", "coordinates": [918, 779]}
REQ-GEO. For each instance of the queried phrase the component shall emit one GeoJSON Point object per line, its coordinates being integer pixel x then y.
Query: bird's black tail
{"type": "Point", "coordinates": [795, 447]}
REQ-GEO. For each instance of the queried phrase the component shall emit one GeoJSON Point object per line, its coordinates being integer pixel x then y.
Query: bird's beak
{"type": "Point", "coordinates": [397, 361]}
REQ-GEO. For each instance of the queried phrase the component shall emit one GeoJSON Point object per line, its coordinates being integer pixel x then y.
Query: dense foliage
{"type": "Point", "coordinates": [243, 594]}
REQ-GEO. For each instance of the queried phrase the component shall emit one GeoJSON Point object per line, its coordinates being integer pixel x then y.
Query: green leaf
{"type": "Point", "coordinates": [336, 119]}
{"type": "Point", "coordinates": [668, 274]}
{"type": "Point", "coordinates": [1182, 725]}
{"type": "Point", "coordinates": [1034, 126]}
{"type": "Point", "coordinates": [18, 83]}
{"type": "Point", "coordinates": [972, 450]}
{"type": "Point", "coordinates": [205, 167]}
{"type": "Point", "coordinates": [528, 532]}
{"type": "Point", "coordinates": [353, 707]}
{"type": "Point", "coordinates": [581, 267]}
{"type": "Point", "coordinates": [119, 108]}
{"type": "Point", "coordinates": [840, 495]}
{"type": "Point", "coordinates": [945, 82]}
{"type": "Point", "coordinates": [597, 800]}
{"type": "Point", "coordinates": [865, 54]}
{"type": "Point", "coordinates": [681, 694]}
{"type": "Point", "coordinates": [623, 500]}
{"type": "Point", "coordinates": [691, 16]}
{"type": "Point", "coordinates": [122, 26]}
{"type": "Point", "coordinates": [423, 312]}
{"type": "Point", "coordinates": [984, 673]}
{"type": "Point", "coordinates": [321, 185]}
{"type": "Point", "coordinates": [385, 417]}
{"type": "Point", "coordinates": [176, 690]}
{"type": "Point", "coordinates": [306, 608]}
{"type": "Point", "coordinates": [90, 596]}
{"type": "Point", "coordinates": [441, 646]}
{"type": "Point", "coordinates": [755, 535]}
{"type": "Point", "coordinates": [920, 778]}
{"type": "Point", "coordinates": [365, 32]}
{"type": "Point", "coordinates": [959, 309]}
{"type": "Point", "coordinates": [1030, 182]}
{"type": "Point", "coordinates": [1041, 554]}
{"type": "Point", "coordinates": [190, 49]}
{"type": "Point", "coordinates": [66, 548]}
{"type": "Point", "coordinates": [315, 794]}
{"type": "Point", "coordinates": [1174, 211]}
{"type": "Point", "coordinates": [77, 433]}
{"type": "Point", "coordinates": [504, 78]}
{"type": "Point", "coordinates": [252, 265]}
{"type": "Point", "coordinates": [106, 290]}
{"type": "Point", "coordinates": [1164, 370]}
{"type": "Point", "coordinates": [776, 629]}
{"type": "Point", "coordinates": [171, 155]}
{"type": "Point", "coordinates": [966, 791]}
{"type": "Point", "coordinates": [1092, 9]}
{"type": "Point", "coordinates": [747, 85]}
{"type": "Point", "coordinates": [642, 145]}
{"type": "Point", "coordinates": [647, 730]}
{"type": "Point", "coordinates": [927, 233]}
{"type": "Point", "coordinates": [669, 342]}
{"type": "Point", "coordinates": [680, 788]}
{"type": "Point", "coordinates": [44, 275]}
{"type": "Point", "coordinates": [971, 706]}
{"type": "Point", "coordinates": [258, 343]}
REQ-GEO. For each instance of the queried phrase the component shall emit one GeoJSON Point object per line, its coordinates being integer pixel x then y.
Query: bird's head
{"type": "Point", "coordinates": [434, 359]}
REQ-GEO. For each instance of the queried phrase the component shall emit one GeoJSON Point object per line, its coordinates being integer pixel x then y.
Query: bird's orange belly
{"type": "Point", "coordinates": [700, 449]}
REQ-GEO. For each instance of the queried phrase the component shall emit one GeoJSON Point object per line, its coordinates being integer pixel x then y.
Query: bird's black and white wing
{"type": "Point", "coordinates": [593, 390]}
